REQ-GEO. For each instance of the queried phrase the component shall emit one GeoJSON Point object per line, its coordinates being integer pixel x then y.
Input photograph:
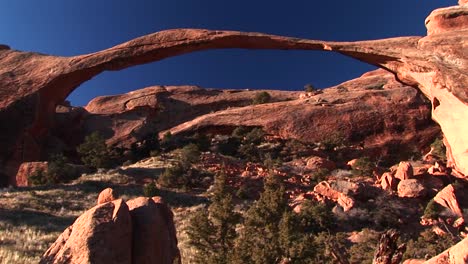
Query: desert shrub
{"type": "Point", "coordinates": [255, 136]}
{"type": "Point", "coordinates": [229, 147]}
{"type": "Point", "coordinates": [144, 148]}
{"type": "Point", "coordinates": [212, 231]}
{"type": "Point", "coordinates": [94, 152]}
{"type": "Point", "coordinates": [250, 152]}
{"type": "Point", "coordinates": [272, 232]}
{"type": "Point", "coordinates": [329, 247]}
{"type": "Point", "coordinates": [330, 141]}
{"type": "Point", "coordinates": [202, 141]}
{"type": "Point", "coordinates": [363, 252]}
{"type": "Point", "coordinates": [239, 132]}
{"type": "Point", "coordinates": [270, 162]}
{"type": "Point", "coordinates": [319, 175]}
{"type": "Point", "coordinates": [439, 148]}
{"type": "Point", "coordinates": [167, 141]}
{"type": "Point", "coordinates": [57, 171]}
{"type": "Point", "coordinates": [428, 245]}
{"type": "Point", "coordinates": [364, 167]}
{"type": "Point", "coordinates": [261, 98]}
{"type": "Point", "coordinates": [432, 210]}
{"type": "Point", "coordinates": [150, 189]}
{"type": "Point", "coordinates": [189, 154]}
{"type": "Point", "coordinates": [385, 215]}
{"type": "Point", "coordinates": [40, 177]}
{"type": "Point", "coordinates": [309, 88]}
{"type": "Point", "coordinates": [172, 177]}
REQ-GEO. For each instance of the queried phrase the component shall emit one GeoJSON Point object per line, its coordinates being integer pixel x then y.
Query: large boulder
{"type": "Point", "coordinates": [448, 199]}
{"type": "Point", "coordinates": [341, 192]}
{"type": "Point", "coordinates": [113, 232]}
{"type": "Point", "coordinates": [103, 234]}
{"type": "Point", "coordinates": [404, 171]}
{"type": "Point", "coordinates": [154, 234]}
{"type": "Point", "coordinates": [412, 188]}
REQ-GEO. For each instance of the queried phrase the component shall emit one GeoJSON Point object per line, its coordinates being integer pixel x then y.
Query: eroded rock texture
{"type": "Point", "coordinates": [33, 84]}
{"type": "Point", "coordinates": [139, 231]}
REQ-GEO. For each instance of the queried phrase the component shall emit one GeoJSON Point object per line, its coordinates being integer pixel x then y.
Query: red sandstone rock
{"type": "Point", "coordinates": [106, 195]}
{"type": "Point", "coordinates": [388, 182]}
{"type": "Point", "coordinates": [112, 232]}
{"type": "Point", "coordinates": [154, 237]}
{"type": "Point", "coordinates": [28, 168]}
{"type": "Point", "coordinates": [404, 171]}
{"type": "Point", "coordinates": [411, 188]}
{"type": "Point", "coordinates": [457, 254]}
{"type": "Point", "coordinates": [447, 19]}
{"type": "Point", "coordinates": [447, 198]}
{"type": "Point", "coordinates": [33, 84]}
{"type": "Point", "coordinates": [316, 163]}
{"type": "Point", "coordinates": [338, 191]}
{"type": "Point", "coordinates": [102, 234]}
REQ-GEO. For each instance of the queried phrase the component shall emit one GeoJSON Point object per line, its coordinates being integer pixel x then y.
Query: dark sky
{"type": "Point", "coordinates": [65, 27]}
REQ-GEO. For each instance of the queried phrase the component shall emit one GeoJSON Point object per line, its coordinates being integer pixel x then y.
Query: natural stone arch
{"type": "Point", "coordinates": [33, 84]}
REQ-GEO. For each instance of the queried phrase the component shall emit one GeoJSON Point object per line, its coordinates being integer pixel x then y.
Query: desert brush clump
{"type": "Point", "coordinates": [94, 152]}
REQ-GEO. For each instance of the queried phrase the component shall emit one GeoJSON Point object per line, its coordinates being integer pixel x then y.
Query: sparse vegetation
{"type": "Point", "coordinates": [363, 167]}
{"type": "Point", "coordinates": [150, 189]}
{"type": "Point", "coordinates": [261, 98]}
{"type": "Point", "coordinates": [94, 152]}
{"type": "Point", "coordinates": [309, 88]}
{"type": "Point", "coordinates": [438, 148]}
{"type": "Point", "coordinates": [428, 245]}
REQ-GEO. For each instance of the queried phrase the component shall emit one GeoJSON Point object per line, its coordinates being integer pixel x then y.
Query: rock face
{"type": "Point", "coordinates": [152, 219]}
{"type": "Point", "coordinates": [457, 254]}
{"type": "Point", "coordinates": [399, 115]}
{"type": "Point", "coordinates": [112, 232]}
{"type": "Point", "coordinates": [33, 84]}
{"type": "Point", "coordinates": [404, 171]}
{"type": "Point", "coordinates": [107, 195]}
{"type": "Point", "coordinates": [447, 198]}
{"type": "Point", "coordinates": [102, 234]}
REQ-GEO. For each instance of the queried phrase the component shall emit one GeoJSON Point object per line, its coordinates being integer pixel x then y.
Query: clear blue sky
{"type": "Point", "coordinates": [67, 27]}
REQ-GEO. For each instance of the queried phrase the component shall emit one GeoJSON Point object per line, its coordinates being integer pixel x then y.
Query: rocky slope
{"type": "Point", "coordinates": [389, 114]}
{"type": "Point", "coordinates": [33, 84]}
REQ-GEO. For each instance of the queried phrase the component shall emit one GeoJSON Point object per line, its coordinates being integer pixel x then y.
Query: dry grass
{"type": "Point", "coordinates": [31, 218]}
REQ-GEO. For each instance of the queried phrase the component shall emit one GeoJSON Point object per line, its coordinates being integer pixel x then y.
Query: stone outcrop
{"type": "Point", "coordinates": [107, 195]}
{"type": "Point", "coordinates": [399, 116]}
{"type": "Point", "coordinates": [153, 232]}
{"type": "Point", "coordinates": [139, 231]}
{"type": "Point", "coordinates": [447, 198]}
{"type": "Point", "coordinates": [103, 234]}
{"type": "Point", "coordinates": [339, 191]}
{"type": "Point", "coordinates": [388, 182]}
{"type": "Point", "coordinates": [411, 188]}
{"type": "Point", "coordinates": [32, 84]}
{"type": "Point", "coordinates": [404, 171]}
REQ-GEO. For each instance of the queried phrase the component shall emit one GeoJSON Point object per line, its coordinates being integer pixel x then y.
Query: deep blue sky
{"type": "Point", "coordinates": [66, 27]}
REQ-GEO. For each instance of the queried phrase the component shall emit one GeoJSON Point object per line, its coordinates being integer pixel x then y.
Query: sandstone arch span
{"type": "Point", "coordinates": [32, 84]}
